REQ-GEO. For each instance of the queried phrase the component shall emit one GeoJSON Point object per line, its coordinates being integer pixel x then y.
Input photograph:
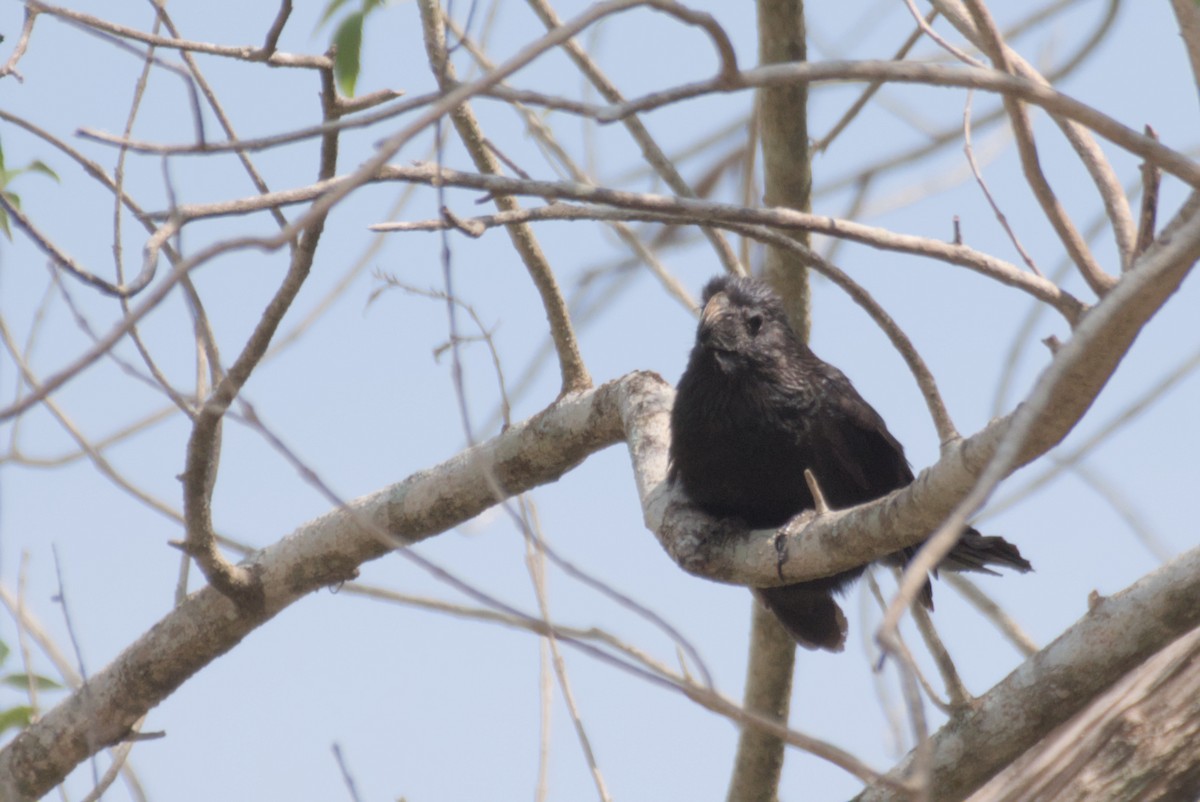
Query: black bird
{"type": "Point", "coordinates": [754, 408]}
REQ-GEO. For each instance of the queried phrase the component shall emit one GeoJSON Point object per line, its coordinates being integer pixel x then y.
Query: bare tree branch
{"type": "Point", "coordinates": [1148, 720]}
{"type": "Point", "coordinates": [247, 53]}
{"type": "Point", "coordinates": [1117, 634]}
{"type": "Point", "coordinates": [1067, 388]}
{"type": "Point", "coordinates": [900, 72]}
{"type": "Point", "coordinates": [1188, 16]}
{"type": "Point", "coordinates": [687, 210]}
{"type": "Point", "coordinates": [324, 552]}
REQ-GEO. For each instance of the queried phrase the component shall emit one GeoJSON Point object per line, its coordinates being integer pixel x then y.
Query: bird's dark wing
{"type": "Point", "coordinates": [864, 461]}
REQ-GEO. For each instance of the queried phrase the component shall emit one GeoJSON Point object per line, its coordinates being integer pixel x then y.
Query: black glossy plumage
{"type": "Point", "coordinates": [754, 408]}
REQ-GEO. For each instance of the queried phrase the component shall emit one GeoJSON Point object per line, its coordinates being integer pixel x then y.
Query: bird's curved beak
{"type": "Point", "coordinates": [716, 308]}
{"type": "Point", "coordinates": [714, 334]}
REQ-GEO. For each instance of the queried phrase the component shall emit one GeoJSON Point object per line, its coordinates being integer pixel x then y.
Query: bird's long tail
{"type": "Point", "coordinates": [809, 614]}
{"type": "Point", "coordinates": [975, 552]}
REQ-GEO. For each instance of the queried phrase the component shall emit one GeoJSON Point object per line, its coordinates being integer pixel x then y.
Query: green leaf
{"type": "Point", "coordinates": [330, 10]}
{"type": "Point", "coordinates": [21, 681]}
{"type": "Point", "coordinates": [3, 651]}
{"type": "Point", "coordinates": [39, 166]}
{"type": "Point", "coordinates": [18, 717]}
{"type": "Point", "coordinates": [346, 62]}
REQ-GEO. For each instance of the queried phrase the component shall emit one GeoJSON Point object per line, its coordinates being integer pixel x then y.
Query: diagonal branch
{"type": "Point", "coordinates": [1116, 635]}
{"type": "Point", "coordinates": [1066, 390]}
{"type": "Point", "coordinates": [324, 552]}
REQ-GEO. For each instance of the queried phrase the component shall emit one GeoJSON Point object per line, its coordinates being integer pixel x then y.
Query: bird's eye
{"type": "Point", "coordinates": [754, 323]}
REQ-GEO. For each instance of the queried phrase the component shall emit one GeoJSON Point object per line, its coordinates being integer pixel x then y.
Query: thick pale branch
{"type": "Point", "coordinates": [1139, 740]}
{"type": "Point", "coordinates": [1116, 635]}
{"type": "Point", "coordinates": [326, 551]}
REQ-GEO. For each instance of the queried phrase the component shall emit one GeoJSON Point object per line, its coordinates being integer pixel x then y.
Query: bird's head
{"type": "Point", "coordinates": [743, 325]}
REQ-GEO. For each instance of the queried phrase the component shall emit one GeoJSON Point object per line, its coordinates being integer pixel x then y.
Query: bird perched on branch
{"type": "Point", "coordinates": [754, 409]}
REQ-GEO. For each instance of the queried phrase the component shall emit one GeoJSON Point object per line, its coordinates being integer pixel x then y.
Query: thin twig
{"type": "Point", "coordinates": [87, 448]}
{"type": "Point", "coordinates": [1097, 279]}
{"type": "Point", "coordinates": [118, 256]}
{"type": "Point", "coordinates": [1000, 216]}
{"type": "Point", "coordinates": [1010, 86]}
{"type": "Point", "coordinates": [31, 681]}
{"type": "Point", "coordinates": [530, 624]}
{"type": "Point", "coordinates": [651, 151]}
{"type": "Point", "coordinates": [60, 258]}
{"type": "Point", "coordinates": [981, 30]}
{"type": "Point", "coordinates": [911, 683]}
{"type": "Point", "coordinates": [993, 612]}
{"type": "Point", "coordinates": [1151, 179]}
{"type": "Point", "coordinates": [10, 66]}
{"type": "Point", "coordinates": [660, 208]}
{"type": "Point", "coordinates": [926, 686]}
{"type": "Point", "coordinates": [276, 29]}
{"type": "Point", "coordinates": [960, 698]}
{"type": "Point", "coordinates": [537, 126]}
{"type": "Point", "coordinates": [1187, 15]}
{"type": "Point", "coordinates": [61, 599]}
{"type": "Point", "coordinates": [573, 371]}
{"type": "Point", "coordinates": [861, 101]}
{"type": "Point", "coordinates": [925, 26]}
{"type": "Point", "coordinates": [535, 560]}
{"type": "Point", "coordinates": [347, 777]}
{"type": "Point", "coordinates": [218, 109]}
{"type": "Point", "coordinates": [820, 506]}
{"type": "Point", "coordinates": [245, 53]}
